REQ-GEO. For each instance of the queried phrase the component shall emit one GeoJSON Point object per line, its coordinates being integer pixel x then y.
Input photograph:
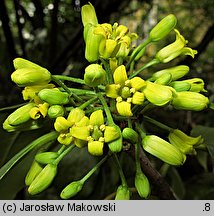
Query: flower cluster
{"type": "Point", "coordinates": [109, 110]}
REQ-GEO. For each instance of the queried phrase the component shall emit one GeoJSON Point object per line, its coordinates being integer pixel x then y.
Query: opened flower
{"type": "Point", "coordinates": [125, 91]}
{"type": "Point", "coordinates": [95, 133]}
{"type": "Point", "coordinates": [175, 49]}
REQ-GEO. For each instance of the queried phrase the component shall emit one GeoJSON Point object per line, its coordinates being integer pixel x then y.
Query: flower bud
{"type": "Point", "coordinates": [54, 96]}
{"type": "Point", "coordinates": [187, 100]}
{"type": "Point", "coordinates": [130, 135]}
{"type": "Point", "coordinates": [163, 28]}
{"type": "Point", "coordinates": [20, 115]}
{"type": "Point", "coordinates": [88, 14]}
{"type": "Point", "coordinates": [72, 189]}
{"type": "Point", "coordinates": [55, 111]}
{"type": "Point", "coordinates": [180, 86]}
{"type": "Point", "coordinates": [197, 84]}
{"type": "Point", "coordinates": [111, 133]}
{"type": "Point", "coordinates": [46, 157]}
{"type": "Point", "coordinates": [94, 75]}
{"type": "Point", "coordinates": [43, 179]}
{"type": "Point", "coordinates": [34, 170]}
{"type": "Point", "coordinates": [92, 43]}
{"type": "Point", "coordinates": [164, 79]}
{"type": "Point", "coordinates": [31, 76]}
{"type": "Point", "coordinates": [142, 184]}
{"type": "Point", "coordinates": [116, 145]}
{"type": "Point", "coordinates": [20, 63]}
{"type": "Point", "coordinates": [95, 148]}
{"type": "Point", "coordinates": [184, 142]}
{"type": "Point", "coordinates": [122, 193]}
{"type": "Point", "coordinates": [176, 72]}
{"type": "Point", "coordinates": [163, 150]}
{"type": "Point", "coordinates": [156, 94]}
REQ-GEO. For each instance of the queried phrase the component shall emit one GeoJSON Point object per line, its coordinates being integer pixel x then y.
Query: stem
{"type": "Point", "coordinates": [122, 177]}
{"type": "Point", "coordinates": [138, 49]}
{"type": "Point", "coordinates": [60, 83]}
{"type": "Point", "coordinates": [149, 64]}
{"type": "Point", "coordinates": [164, 169]}
{"type": "Point", "coordinates": [137, 157]}
{"type": "Point", "coordinates": [82, 91]}
{"type": "Point", "coordinates": [91, 172]}
{"type": "Point", "coordinates": [63, 154]}
{"type": "Point", "coordinates": [87, 103]}
{"type": "Point", "coordinates": [72, 79]}
{"type": "Point", "coordinates": [108, 71]}
{"type": "Point", "coordinates": [140, 130]}
{"type": "Point", "coordinates": [106, 108]}
{"type": "Point", "coordinates": [61, 149]}
{"type": "Point", "coordinates": [159, 124]}
{"type": "Point", "coordinates": [12, 107]}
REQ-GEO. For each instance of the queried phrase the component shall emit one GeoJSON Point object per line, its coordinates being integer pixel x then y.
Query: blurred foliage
{"type": "Point", "coordinates": [49, 32]}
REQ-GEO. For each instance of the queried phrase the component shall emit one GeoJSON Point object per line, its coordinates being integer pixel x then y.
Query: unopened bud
{"type": "Point", "coordinates": [71, 190]}
{"type": "Point", "coordinates": [54, 96]}
{"type": "Point", "coordinates": [46, 157]}
{"type": "Point", "coordinates": [34, 170]}
{"type": "Point", "coordinates": [163, 150]}
{"type": "Point", "coordinates": [122, 193]}
{"type": "Point", "coordinates": [20, 115]}
{"type": "Point", "coordinates": [187, 100]}
{"type": "Point", "coordinates": [180, 86]}
{"type": "Point", "coordinates": [163, 28]}
{"type": "Point", "coordinates": [116, 145]}
{"type": "Point", "coordinates": [43, 179]}
{"type": "Point", "coordinates": [55, 111]}
{"type": "Point", "coordinates": [88, 15]}
{"type": "Point", "coordinates": [94, 75]}
{"type": "Point", "coordinates": [142, 184]}
{"type": "Point", "coordinates": [130, 135]}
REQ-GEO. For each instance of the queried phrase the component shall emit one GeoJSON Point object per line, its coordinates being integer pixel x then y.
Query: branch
{"type": "Point", "coordinates": [164, 191]}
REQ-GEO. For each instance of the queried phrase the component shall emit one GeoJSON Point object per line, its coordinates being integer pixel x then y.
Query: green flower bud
{"type": "Point", "coordinates": [163, 150]}
{"type": "Point", "coordinates": [46, 157]}
{"type": "Point", "coordinates": [158, 95]}
{"type": "Point", "coordinates": [72, 189]}
{"type": "Point", "coordinates": [92, 43]}
{"type": "Point", "coordinates": [20, 115]}
{"type": "Point", "coordinates": [142, 184]}
{"type": "Point", "coordinates": [122, 193]}
{"type": "Point", "coordinates": [163, 28]}
{"type": "Point", "coordinates": [26, 126]}
{"type": "Point", "coordinates": [94, 75]}
{"type": "Point", "coordinates": [197, 84]}
{"type": "Point", "coordinates": [55, 111]}
{"type": "Point", "coordinates": [88, 15]}
{"type": "Point", "coordinates": [130, 135]}
{"type": "Point", "coordinates": [164, 79]}
{"type": "Point", "coordinates": [20, 63]}
{"type": "Point", "coordinates": [176, 72]}
{"type": "Point", "coordinates": [31, 76]}
{"type": "Point", "coordinates": [43, 179]}
{"type": "Point", "coordinates": [187, 100]}
{"type": "Point", "coordinates": [180, 86]}
{"type": "Point", "coordinates": [54, 96]}
{"type": "Point", "coordinates": [116, 145]}
{"type": "Point", "coordinates": [34, 170]}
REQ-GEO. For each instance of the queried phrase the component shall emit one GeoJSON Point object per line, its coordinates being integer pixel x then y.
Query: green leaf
{"type": "Point", "coordinates": [208, 135]}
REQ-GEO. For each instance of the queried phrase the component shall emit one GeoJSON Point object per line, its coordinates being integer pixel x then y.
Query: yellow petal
{"type": "Point", "coordinates": [80, 143]}
{"type": "Point", "coordinates": [138, 98]}
{"type": "Point", "coordinates": [80, 132]}
{"type": "Point", "coordinates": [120, 75]}
{"type": "Point", "coordinates": [112, 90]}
{"type": "Point", "coordinates": [75, 115]}
{"type": "Point", "coordinates": [137, 83]}
{"type": "Point", "coordinates": [83, 122]}
{"type": "Point", "coordinates": [97, 118]}
{"type": "Point", "coordinates": [35, 113]}
{"type": "Point", "coordinates": [124, 108]}
{"type": "Point", "coordinates": [111, 133]}
{"type": "Point", "coordinates": [95, 148]}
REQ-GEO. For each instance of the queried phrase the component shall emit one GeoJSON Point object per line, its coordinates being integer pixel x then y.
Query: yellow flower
{"type": "Point", "coordinates": [175, 49]}
{"type": "Point", "coordinates": [126, 92]}
{"type": "Point", "coordinates": [184, 142]}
